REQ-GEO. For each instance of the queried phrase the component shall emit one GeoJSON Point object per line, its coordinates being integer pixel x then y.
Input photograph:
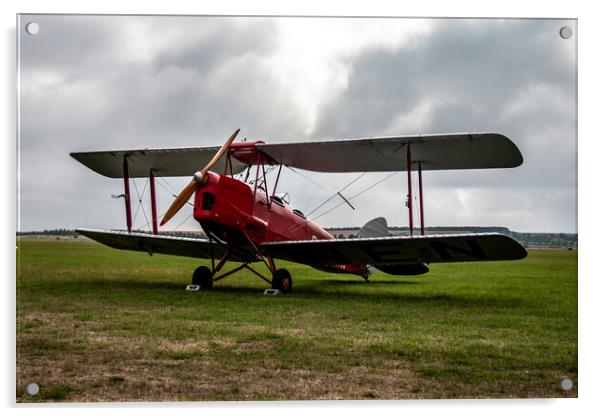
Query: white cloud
{"type": "Point", "coordinates": [557, 104]}
{"type": "Point", "coordinates": [313, 57]}
{"type": "Point", "coordinates": [418, 119]}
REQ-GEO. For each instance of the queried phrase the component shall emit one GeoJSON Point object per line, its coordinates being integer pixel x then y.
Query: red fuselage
{"type": "Point", "coordinates": [245, 217]}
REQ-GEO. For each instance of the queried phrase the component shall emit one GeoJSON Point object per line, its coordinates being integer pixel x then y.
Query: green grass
{"type": "Point", "coordinates": [97, 324]}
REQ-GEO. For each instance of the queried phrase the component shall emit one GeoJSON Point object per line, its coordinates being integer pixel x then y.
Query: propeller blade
{"type": "Point", "coordinates": [180, 201]}
{"type": "Point", "coordinates": [188, 191]}
{"type": "Point", "coordinates": [220, 153]}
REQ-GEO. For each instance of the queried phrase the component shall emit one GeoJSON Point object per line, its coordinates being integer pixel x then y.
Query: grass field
{"type": "Point", "coordinates": [97, 324]}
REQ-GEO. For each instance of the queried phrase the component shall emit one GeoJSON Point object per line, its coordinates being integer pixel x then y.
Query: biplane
{"type": "Point", "coordinates": [246, 221]}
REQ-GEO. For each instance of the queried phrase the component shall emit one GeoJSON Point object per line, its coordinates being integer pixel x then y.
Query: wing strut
{"type": "Point", "coordinates": [153, 203]}
{"type": "Point", "coordinates": [420, 198]}
{"type": "Point", "coordinates": [128, 204]}
{"type": "Point", "coordinates": [126, 189]}
{"type": "Point", "coordinates": [409, 162]}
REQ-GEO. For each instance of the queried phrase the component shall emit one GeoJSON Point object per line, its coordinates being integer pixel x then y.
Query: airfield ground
{"type": "Point", "coordinates": [97, 324]}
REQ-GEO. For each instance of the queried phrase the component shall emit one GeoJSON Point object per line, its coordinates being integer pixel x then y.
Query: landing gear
{"type": "Point", "coordinates": [282, 281]}
{"type": "Point", "coordinates": [202, 277]}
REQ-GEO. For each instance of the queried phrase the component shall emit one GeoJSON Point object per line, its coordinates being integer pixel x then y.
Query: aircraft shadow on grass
{"type": "Point", "coordinates": [318, 292]}
{"type": "Point", "coordinates": [371, 283]}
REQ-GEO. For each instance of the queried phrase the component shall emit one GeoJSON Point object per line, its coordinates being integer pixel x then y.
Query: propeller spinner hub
{"type": "Point", "coordinates": [198, 177]}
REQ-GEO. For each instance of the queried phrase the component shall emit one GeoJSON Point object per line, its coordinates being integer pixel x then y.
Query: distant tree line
{"type": "Point", "coordinates": [59, 231]}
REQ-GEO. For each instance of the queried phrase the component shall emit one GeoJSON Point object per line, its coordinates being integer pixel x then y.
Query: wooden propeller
{"type": "Point", "coordinates": [198, 178]}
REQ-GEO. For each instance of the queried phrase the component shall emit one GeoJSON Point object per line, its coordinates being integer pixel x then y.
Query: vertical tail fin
{"type": "Point", "coordinates": [374, 228]}
{"type": "Point", "coordinates": [378, 228]}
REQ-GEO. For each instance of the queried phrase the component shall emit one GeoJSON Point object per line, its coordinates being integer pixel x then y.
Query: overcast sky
{"type": "Point", "coordinates": [121, 82]}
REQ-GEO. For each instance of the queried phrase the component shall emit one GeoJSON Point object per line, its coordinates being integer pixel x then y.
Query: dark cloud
{"type": "Point", "coordinates": [516, 77]}
{"type": "Point", "coordinates": [91, 82]}
{"type": "Point", "coordinates": [72, 45]}
{"type": "Point", "coordinates": [214, 41]}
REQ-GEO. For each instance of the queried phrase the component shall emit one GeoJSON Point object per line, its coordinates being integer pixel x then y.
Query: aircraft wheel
{"type": "Point", "coordinates": [202, 276]}
{"type": "Point", "coordinates": [282, 281]}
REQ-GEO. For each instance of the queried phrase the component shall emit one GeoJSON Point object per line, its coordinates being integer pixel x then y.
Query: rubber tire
{"type": "Point", "coordinates": [282, 281]}
{"type": "Point", "coordinates": [202, 277]}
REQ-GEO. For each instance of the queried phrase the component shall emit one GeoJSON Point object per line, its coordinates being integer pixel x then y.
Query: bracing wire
{"type": "Point", "coordinates": [171, 189]}
{"type": "Point", "coordinates": [335, 194]}
{"type": "Point", "coordinates": [308, 178]}
{"type": "Point", "coordinates": [171, 192]}
{"type": "Point", "coordinates": [180, 224]}
{"type": "Point", "coordinates": [356, 195]}
{"type": "Point", "coordinates": [309, 203]}
{"type": "Point", "coordinates": [150, 229]}
{"type": "Point", "coordinates": [140, 203]}
{"type": "Point", "coordinates": [137, 207]}
{"type": "Point", "coordinates": [139, 199]}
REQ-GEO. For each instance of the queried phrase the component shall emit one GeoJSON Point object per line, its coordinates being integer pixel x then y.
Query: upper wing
{"type": "Point", "coordinates": [179, 246]}
{"type": "Point", "coordinates": [399, 250]}
{"type": "Point", "coordinates": [380, 154]}
{"type": "Point", "coordinates": [375, 154]}
{"type": "Point", "coordinates": [164, 162]}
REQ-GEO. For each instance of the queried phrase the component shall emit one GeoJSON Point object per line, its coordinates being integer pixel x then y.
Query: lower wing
{"type": "Point", "coordinates": [395, 255]}
{"type": "Point", "coordinates": [394, 251]}
{"type": "Point", "coordinates": [163, 244]}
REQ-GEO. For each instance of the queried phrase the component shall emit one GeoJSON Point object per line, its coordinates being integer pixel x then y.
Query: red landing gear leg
{"type": "Point", "coordinates": [281, 278]}
{"type": "Point", "coordinates": [203, 276]}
